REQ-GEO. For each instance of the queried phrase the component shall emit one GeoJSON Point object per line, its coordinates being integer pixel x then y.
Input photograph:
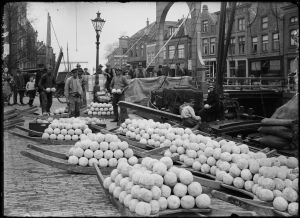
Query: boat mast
{"type": "Point", "coordinates": [222, 51]}
{"type": "Point", "coordinates": [68, 58]}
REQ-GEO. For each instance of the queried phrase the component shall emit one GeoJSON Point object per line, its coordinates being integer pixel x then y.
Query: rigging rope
{"type": "Point", "coordinates": [175, 32]}
{"type": "Point", "coordinates": [76, 24]}
{"type": "Point", "coordinates": [57, 42]}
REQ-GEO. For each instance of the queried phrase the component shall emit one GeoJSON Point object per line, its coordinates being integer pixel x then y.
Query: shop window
{"type": "Point", "coordinates": [142, 50]}
{"type": "Point", "coordinates": [232, 68]}
{"type": "Point", "coordinates": [241, 72]}
{"type": "Point", "coordinates": [165, 53]}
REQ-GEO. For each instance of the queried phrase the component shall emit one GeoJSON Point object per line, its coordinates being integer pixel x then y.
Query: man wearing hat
{"type": "Point", "coordinates": [140, 72]}
{"type": "Point", "coordinates": [118, 82]}
{"type": "Point", "coordinates": [46, 81]}
{"type": "Point", "coordinates": [73, 93]}
{"type": "Point", "coordinates": [109, 73]}
{"type": "Point", "coordinates": [211, 112]}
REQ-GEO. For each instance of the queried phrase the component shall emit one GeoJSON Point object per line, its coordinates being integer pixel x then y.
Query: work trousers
{"type": "Point", "coordinates": [21, 94]}
{"type": "Point", "coordinates": [46, 101]}
{"type": "Point", "coordinates": [107, 85]}
{"type": "Point", "coordinates": [115, 100]}
{"type": "Point", "coordinates": [83, 98]}
{"type": "Point", "coordinates": [15, 93]}
{"type": "Point", "coordinates": [31, 95]}
{"type": "Point", "coordinates": [74, 106]}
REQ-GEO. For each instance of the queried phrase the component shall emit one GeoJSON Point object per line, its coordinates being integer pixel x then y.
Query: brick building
{"type": "Point", "coordinates": [260, 43]}
{"type": "Point", "coordinates": [119, 57]}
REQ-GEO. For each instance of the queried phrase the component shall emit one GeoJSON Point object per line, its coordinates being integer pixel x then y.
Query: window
{"type": "Point", "coordinates": [231, 49]}
{"type": "Point", "coordinates": [292, 40]}
{"type": "Point", "coordinates": [241, 69]}
{"type": "Point", "coordinates": [142, 50]}
{"type": "Point", "coordinates": [180, 51]}
{"type": "Point", "coordinates": [264, 23]}
{"type": "Point", "coordinates": [241, 24]}
{"type": "Point", "coordinates": [165, 52]}
{"type": "Point", "coordinates": [275, 65]}
{"type": "Point", "coordinates": [205, 26]}
{"type": "Point", "coordinates": [172, 30]}
{"type": "Point", "coordinates": [171, 51]}
{"type": "Point", "coordinates": [254, 44]}
{"type": "Point", "coordinates": [275, 41]}
{"type": "Point", "coordinates": [232, 68]}
{"type": "Point", "coordinates": [22, 42]}
{"type": "Point", "coordinates": [265, 41]}
{"type": "Point", "coordinates": [212, 45]}
{"type": "Point", "coordinates": [205, 46]}
{"type": "Point", "coordinates": [293, 20]}
{"type": "Point", "coordinates": [241, 44]}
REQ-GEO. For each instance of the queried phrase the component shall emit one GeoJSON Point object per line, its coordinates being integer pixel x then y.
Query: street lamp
{"type": "Point", "coordinates": [98, 24]}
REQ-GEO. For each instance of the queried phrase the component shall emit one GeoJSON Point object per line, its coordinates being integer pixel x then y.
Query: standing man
{"type": "Point", "coordinates": [178, 70]}
{"type": "Point", "coordinates": [140, 72]}
{"type": "Point", "coordinates": [109, 74]}
{"type": "Point", "coordinates": [83, 82]}
{"type": "Point", "coordinates": [211, 110]}
{"type": "Point", "coordinates": [20, 86]}
{"type": "Point", "coordinates": [73, 92]}
{"type": "Point", "coordinates": [159, 72]}
{"type": "Point", "coordinates": [47, 81]}
{"type": "Point", "coordinates": [30, 88]}
{"type": "Point", "coordinates": [118, 82]}
{"type": "Point", "coordinates": [37, 80]}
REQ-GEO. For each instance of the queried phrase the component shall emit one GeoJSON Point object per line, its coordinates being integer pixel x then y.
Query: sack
{"type": "Point", "coordinates": [276, 122]}
{"type": "Point", "coordinates": [280, 131]}
{"type": "Point", "coordinates": [274, 141]}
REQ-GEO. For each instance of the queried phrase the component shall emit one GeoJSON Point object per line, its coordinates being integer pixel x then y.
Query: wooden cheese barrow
{"type": "Point", "coordinates": [38, 137]}
{"type": "Point", "coordinates": [60, 160]}
{"type": "Point", "coordinates": [195, 212]}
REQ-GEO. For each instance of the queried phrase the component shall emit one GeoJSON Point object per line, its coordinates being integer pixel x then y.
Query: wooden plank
{"type": "Point", "coordinates": [43, 141]}
{"type": "Point", "coordinates": [11, 126]}
{"type": "Point", "coordinates": [64, 165]}
{"type": "Point", "coordinates": [48, 152]}
{"type": "Point", "coordinates": [9, 111]}
{"type": "Point", "coordinates": [261, 210]}
{"type": "Point", "coordinates": [149, 110]}
{"type": "Point", "coordinates": [35, 133]}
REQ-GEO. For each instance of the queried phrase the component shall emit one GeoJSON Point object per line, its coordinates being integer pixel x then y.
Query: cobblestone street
{"type": "Point", "coordinates": [35, 189]}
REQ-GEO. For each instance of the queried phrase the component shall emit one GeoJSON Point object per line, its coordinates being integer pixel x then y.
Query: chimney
{"type": "Point", "coordinates": [147, 22]}
{"type": "Point", "coordinates": [204, 9]}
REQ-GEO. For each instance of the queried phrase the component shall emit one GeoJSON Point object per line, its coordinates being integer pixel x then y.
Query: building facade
{"type": "Point", "coordinates": [24, 51]}
{"type": "Point", "coordinates": [119, 57]}
{"type": "Point", "coordinates": [260, 43]}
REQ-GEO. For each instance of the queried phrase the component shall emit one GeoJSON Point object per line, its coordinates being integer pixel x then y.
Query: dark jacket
{"type": "Point", "coordinates": [213, 100]}
{"type": "Point", "coordinates": [20, 82]}
{"type": "Point", "coordinates": [46, 82]}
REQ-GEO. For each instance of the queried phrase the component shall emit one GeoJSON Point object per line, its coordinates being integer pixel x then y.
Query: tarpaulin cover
{"type": "Point", "coordinates": [139, 89]}
{"type": "Point", "coordinates": [289, 110]}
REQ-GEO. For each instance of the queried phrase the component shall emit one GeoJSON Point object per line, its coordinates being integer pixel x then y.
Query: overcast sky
{"type": "Point", "coordinates": [121, 19]}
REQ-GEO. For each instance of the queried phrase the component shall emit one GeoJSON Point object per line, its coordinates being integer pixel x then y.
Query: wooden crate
{"type": "Point", "coordinates": [39, 127]}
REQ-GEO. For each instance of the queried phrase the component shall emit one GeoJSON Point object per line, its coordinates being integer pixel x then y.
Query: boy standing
{"type": "Point", "coordinates": [30, 88]}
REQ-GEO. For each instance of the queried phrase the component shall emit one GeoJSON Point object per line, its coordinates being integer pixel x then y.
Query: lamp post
{"type": "Point", "coordinates": [98, 24]}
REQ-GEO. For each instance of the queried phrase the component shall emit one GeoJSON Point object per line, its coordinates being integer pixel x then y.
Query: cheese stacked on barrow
{"type": "Point", "coordinates": [106, 150]}
{"type": "Point", "coordinates": [99, 109]}
{"type": "Point", "coordinates": [270, 179]}
{"type": "Point", "coordinates": [66, 129]}
{"type": "Point", "coordinates": [155, 185]}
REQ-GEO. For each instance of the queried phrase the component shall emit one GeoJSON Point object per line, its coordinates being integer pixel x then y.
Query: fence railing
{"type": "Point", "coordinates": [255, 83]}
